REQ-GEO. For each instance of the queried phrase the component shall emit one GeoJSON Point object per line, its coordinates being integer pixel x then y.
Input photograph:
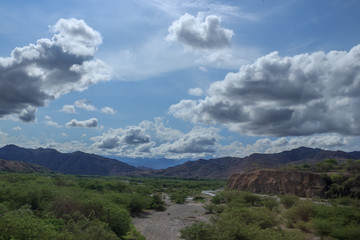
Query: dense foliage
{"type": "Point", "coordinates": [82, 207]}
{"type": "Point", "coordinates": [243, 215]}
{"type": "Point", "coordinates": [342, 177]}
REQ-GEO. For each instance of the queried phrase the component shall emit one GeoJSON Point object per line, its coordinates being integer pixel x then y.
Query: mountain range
{"type": "Point", "coordinates": [69, 163]}
{"type": "Point", "coordinates": [90, 164]}
{"type": "Point", "coordinates": [222, 168]}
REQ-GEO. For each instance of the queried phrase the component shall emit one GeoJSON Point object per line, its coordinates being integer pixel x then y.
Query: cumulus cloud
{"type": "Point", "coordinates": [266, 145]}
{"type": "Point", "coordinates": [198, 140]}
{"type": "Point", "coordinates": [132, 135]}
{"type": "Point", "coordinates": [195, 91]}
{"type": "Point", "coordinates": [38, 73]}
{"type": "Point", "coordinates": [197, 33]}
{"type": "Point", "coordinates": [68, 109]}
{"type": "Point", "coordinates": [284, 96]}
{"type": "Point", "coordinates": [17, 128]}
{"type": "Point", "coordinates": [85, 104]}
{"type": "Point", "coordinates": [136, 136]}
{"type": "Point", "coordinates": [28, 114]}
{"type": "Point", "coordinates": [90, 123]}
{"type": "Point", "coordinates": [52, 123]}
{"type": "Point", "coordinates": [108, 110]}
{"type": "Point", "coordinates": [155, 139]}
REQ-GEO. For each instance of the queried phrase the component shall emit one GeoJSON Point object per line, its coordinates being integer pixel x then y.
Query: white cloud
{"type": "Point", "coordinates": [68, 109]}
{"type": "Point", "coordinates": [50, 122]}
{"type": "Point", "coordinates": [266, 145]}
{"type": "Point", "coordinates": [3, 134]}
{"type": "Point", "coordinates": [85, 104]}
{"type": "Point", "coordinates": [38, 73]}
{"type": "Point", "coordinates": [292, 96]}
{"type": "Point", "coordinates": [177, 8]}
{"type": "Point", "coordinates": [195, 91]}
{"type": "Point", "coordinates": [108, 110]}
{"type": "Point", "coordinates": [155, 139]}
{"type": "Point", "coordinates": [199, 140]}
{"type": "Point", "coordinates": [203, 69]}
{"type": "Point", "coordinates": [17, 128]}
{"type": "Point", "coordinates": [76, 37]}
{"type": "Point", "coordinates": [90, 123]}
{"type": "Point", "coordinates": [197, 33]}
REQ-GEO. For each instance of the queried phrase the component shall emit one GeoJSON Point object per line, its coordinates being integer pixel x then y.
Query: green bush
{"type": "Point", "coordinates": [157, 203]}
{"type": "Point", "coordinates": [87, 230]}
{"type": "Point", "coordinates": [213, 208]}
{"type": "Point", "coordinates": [270, 203]}
{"type": "Point", "coordinates": [218, 198]}
{"type": "Point", "coordinates": [351, 232]}
{"type": "Point", "coordinates": [197, 231]}
{"type": "Point", "coordinates": [133, 234]}
{"type": "Point", "coordinates": [301, 212]}
{"type": "Point", "coordinates": [322, 226]}
{"type": "Point", "coordinates": [118, 220]}
{"type": "Point", "coordinates": [22, 224]}
{"type": "Point", "coordinates": [288, 200]}
{"type": "Point", "coordinates": [178, 197]}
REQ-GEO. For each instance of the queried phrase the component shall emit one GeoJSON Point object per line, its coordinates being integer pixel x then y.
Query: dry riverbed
{"type": "Point", "coordinates": [166, 225]}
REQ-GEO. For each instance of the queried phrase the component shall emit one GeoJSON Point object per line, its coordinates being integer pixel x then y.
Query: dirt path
{"type": "Point", "coordinates": [166, 225]}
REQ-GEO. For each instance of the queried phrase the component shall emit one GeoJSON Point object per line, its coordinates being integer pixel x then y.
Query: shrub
{"type": "Point", "coordinates": [322, 226]}
{"type": "Point", "coordinates": [351, 231]}
{"type": "Point", "coordinates": [198, 198]}
{"type": "Point", "coordinates": [302, 211]}
{"type": "Point", "coordinates": [67, 206]}
{"type": "Point", "coordinates": [197, 231]}
{"type": "Point", "coordinates": [218, 198]}
{"type": "Point", "coordinates": [251, 199]}
{"type": "Point", "coordinates": [288, 200]}
{"type": "Point", "coordinates": [178, 197]}
{"type": "Point", "coordinates": [133, 234]}
{"type": "Point", "coordinates": [138, 202]}
{"type": "Point", "coordinates": [213, 208]}
{"type": "Point", "coordinates": [157, 203]}
{"type": "Point", "coordinates": [87, 230]}
{"type": "Point", "coordinates": [22, 224]}
{"type": "Point", "coordinates": [270, 203]}
{"type": "Point", "coordinates": [118, 220]}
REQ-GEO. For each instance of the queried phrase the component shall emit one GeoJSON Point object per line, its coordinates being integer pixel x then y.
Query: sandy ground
{"type": "Point", "coordinates": [166, 225]}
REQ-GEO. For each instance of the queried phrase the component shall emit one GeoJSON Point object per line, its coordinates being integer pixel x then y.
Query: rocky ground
{"type": "Point", "coordinates": [166, 225]}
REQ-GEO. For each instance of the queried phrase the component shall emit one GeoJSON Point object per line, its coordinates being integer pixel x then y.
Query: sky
{"type": "Point", "coordinates": [180, 79]}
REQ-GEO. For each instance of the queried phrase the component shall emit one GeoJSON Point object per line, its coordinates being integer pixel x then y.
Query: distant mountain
{"type": "Point", "coordinates": [150, 163]}
{"type": "Point", "coordinates": [91, 164]}
{"type": "Point", "coordinates": [21, 167]}
{"type": "Point", "coordinates": [224, 167]}
{"type": "Point", "coordinates": [68, 163]}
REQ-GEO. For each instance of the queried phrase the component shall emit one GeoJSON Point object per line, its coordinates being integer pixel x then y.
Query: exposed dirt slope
{"type": "Point", "coordinates": [302, 184]}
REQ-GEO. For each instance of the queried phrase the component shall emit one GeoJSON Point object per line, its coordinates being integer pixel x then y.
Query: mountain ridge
{"type": "Point", "coordinates": [223, 167]}
{"type": "Point", "coordinates": [91, 164]}
{"type": "Point", "coordinates": [67, 163]}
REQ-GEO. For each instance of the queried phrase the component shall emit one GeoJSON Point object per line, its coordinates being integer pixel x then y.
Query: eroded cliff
{"type": "Point", "coordinates": [271, 181]}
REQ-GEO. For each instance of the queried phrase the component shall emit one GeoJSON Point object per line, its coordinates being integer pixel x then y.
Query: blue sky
{"type": "Point", "coordinates": [180, 79]}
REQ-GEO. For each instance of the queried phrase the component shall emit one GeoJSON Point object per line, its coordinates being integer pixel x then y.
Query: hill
{"type": "Point", "coordinates": [222, 168]}
{"type": "Point", "coordinates": [68, 163]}
{"type": "Point", "coordinates": [21, 167]}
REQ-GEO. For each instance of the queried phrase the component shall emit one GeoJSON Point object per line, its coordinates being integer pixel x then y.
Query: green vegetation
{"type": "Point", "coordinates": [249, 216]}
{"type": "Point", "coordinates": [341, 177]}
{"type": "Point", "coordinates": [36, 206]}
